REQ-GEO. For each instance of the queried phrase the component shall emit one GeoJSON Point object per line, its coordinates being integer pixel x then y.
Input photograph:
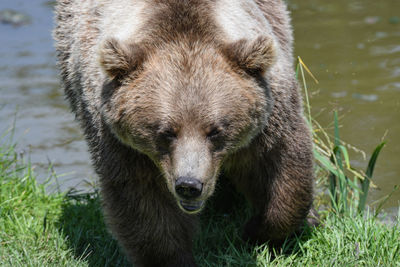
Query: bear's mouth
{"type": "Point", "coordinates": [191, 207]}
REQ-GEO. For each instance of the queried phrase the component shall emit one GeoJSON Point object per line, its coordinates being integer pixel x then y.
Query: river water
{"type": "Point", "coordinates": [352, 47]}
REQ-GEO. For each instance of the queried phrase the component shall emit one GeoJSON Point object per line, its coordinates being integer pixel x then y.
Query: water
{"type": "Point", "coordinates": [30, 93]}
{"type": "Point", "coordinates": [352, 47]}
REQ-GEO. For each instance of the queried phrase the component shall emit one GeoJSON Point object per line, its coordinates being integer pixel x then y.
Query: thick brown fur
{"type": "Point", "coordinates": [181, 96]}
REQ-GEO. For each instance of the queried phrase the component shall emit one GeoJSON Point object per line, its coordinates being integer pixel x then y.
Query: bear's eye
{"type": "Point", "coordinates": [165, 139]}
{"type": "Point", "coordinates": [216, 138]}
{"type": "Point", "coordinates": [213, 133]}
{"type": "Point", "coordinates": [169, 135]}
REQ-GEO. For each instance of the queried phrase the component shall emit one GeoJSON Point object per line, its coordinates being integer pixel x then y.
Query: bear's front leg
{"type": "Point", "coordinates": [148, 223]}
{"type": "Point", "coordinates": [289, 195]}
{"type": "Point", "coordinates": [280, 189]}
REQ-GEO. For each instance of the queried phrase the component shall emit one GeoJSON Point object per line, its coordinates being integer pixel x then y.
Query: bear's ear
{"type": "Point", "coordinates": [118, 59]}
{"type": "Point", "coordinates": [253, 56]}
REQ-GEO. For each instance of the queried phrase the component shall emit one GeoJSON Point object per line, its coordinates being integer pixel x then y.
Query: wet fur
{"type": "Point", "coordinates": [104, 66]}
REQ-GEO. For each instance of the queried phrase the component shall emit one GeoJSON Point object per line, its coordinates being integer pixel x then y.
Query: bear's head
{"type": "Point", "coordinates": [187, 105]}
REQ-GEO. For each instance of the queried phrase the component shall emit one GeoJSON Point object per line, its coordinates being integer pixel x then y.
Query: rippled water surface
{"type": "Point", "coordinates": [352, 47]}
{"type": "Point", "coordinates": [30, 92]}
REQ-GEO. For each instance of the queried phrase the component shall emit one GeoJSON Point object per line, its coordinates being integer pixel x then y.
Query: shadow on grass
{"type": "Point", "coordinates": [83, 226]}
{"type": "Point", "coordinates": [218, 243]}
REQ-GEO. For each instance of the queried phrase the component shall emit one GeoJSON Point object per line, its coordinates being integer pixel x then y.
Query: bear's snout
{"type": "Point", "coordinates": [188, 188]}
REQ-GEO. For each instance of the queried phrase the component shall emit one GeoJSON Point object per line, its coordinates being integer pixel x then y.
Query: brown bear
{"type": "Point", "coordinates": [170, 93]}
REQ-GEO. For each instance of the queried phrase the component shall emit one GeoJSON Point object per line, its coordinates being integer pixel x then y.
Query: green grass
{"type": "Point", "coordinates": [41, 229]}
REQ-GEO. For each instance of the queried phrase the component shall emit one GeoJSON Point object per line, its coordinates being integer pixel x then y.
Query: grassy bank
{"type": "Point", "coordinates": [40, 229]}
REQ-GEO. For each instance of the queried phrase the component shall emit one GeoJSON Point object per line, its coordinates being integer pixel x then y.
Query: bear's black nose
{"type": "Point", "coordinates": [188, 188]}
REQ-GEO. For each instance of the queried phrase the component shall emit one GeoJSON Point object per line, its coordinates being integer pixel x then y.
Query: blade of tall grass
{"type": "Point", "coordinates": [342, 179]}
{"type": "Point", "coordinates": [368, 176]}
{"type": "Point", "coordinates": [301, 64]}
{"type": "Point", "coordinates": [325, 163]}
